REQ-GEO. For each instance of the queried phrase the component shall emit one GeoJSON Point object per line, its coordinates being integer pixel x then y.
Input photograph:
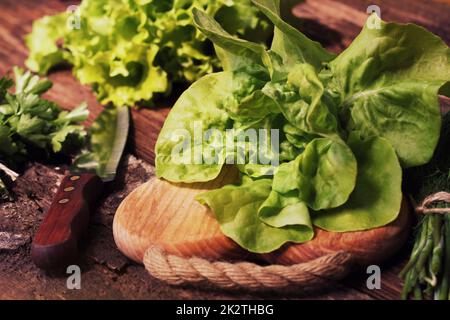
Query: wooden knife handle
{"type": "Point", "coordinates": [56, 242]}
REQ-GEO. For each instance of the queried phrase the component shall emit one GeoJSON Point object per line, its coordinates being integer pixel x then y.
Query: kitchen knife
{"type": "Point", "coordinates": [57, 240]}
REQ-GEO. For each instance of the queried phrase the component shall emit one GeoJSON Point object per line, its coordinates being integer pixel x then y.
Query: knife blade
{"type": "Point", "coordinates": [56, 243]}
{"type": "Point", "coordinates": [6, 176]}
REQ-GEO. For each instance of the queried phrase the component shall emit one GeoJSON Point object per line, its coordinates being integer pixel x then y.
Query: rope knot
{"type": "Point", "coordinates": [424, 207]}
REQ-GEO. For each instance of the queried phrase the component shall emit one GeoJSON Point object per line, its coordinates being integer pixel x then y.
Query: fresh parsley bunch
{"type": "Point", "coordinates": [31, 126]}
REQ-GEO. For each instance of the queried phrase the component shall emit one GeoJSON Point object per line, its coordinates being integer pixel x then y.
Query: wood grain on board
{"type": "Point", "coordinates": [367, 247]}
{"type": "Point", "coordinates": [167, 215]}
{"type": "Point", "coordinates": [333, 23]}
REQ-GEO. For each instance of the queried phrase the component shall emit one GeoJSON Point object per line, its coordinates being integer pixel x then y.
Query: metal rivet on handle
{"type": "Point", "coordinates": [74, 178]}
{"type": "Point", "coordinates": [68, 189]}
{"type": "Point", "coordinates": [63, 201]}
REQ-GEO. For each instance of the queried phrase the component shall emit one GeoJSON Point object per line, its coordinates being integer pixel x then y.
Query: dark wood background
{"type": "Point", "coordinates": [106, 272]}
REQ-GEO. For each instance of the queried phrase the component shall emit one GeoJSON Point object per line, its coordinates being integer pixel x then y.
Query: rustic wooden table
{"type": "Point", "coordinates": [107, 274]}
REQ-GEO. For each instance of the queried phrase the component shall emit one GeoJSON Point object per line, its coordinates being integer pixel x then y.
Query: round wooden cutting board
{"type": "Point", "coordinates": [166, 214]}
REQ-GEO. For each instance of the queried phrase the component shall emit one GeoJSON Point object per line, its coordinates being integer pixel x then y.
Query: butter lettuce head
{"type": "Point", "coordinates": [131, 51]}
{"type": "Point", "coordinates": [347, 125]}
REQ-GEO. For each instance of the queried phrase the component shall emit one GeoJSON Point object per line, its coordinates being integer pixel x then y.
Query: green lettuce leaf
{"type": "Point", "coordinates": [236, 210]}
{"type": "Point", "coordinates": [133, 51]}
{"type": "Point", "coordinates": [234, 53]}
{"type": "Point", "coordinates": [301, 99]}
{"type": "Point", "coordinates": [292, 45]}
{"type": "Point", "coordinates": [284, 209]}
{"type": "Point", "coordinates": [322, 177]}
{"type": "Point", "coordinates": [377, 196]}
{"type": "Point", "coordinates": [42, 43]}
{"type": "Point", "coordinates": [179, 137]}
{"type": "Point", "coordinates": [226, 100]}
{"type": "Point", "coordinates": [388, 80]}
{"type": "Point", "coordinates": [246, 103]}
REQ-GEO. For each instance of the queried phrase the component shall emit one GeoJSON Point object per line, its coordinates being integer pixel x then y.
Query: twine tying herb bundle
{"type": "Point", "coordinates": [427, 273]}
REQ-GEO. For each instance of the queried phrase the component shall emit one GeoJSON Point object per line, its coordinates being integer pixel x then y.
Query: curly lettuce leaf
{"type": "Point", "coordinates": [42, 43]}
{"type": "Point", "coordinates": [133, 51]}
{"type": "Point", "coordinates": [303, 103]}
{"type": "Point", "coordinates": [236, 210]}
{"type": "Point", "coordinates": [377, 197]}
{"type": "Point", "coordinates": [388, 80]}
{"type": "Point", "coordinates": [247, 104]}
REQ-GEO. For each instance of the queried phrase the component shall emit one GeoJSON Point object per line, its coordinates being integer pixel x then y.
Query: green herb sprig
{"type": "Point", "coordinates": [32, 127]}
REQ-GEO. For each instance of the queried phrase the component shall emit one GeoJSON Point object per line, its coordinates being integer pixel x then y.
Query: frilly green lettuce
{"type": "Point", "coordinates": [129, 51]}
